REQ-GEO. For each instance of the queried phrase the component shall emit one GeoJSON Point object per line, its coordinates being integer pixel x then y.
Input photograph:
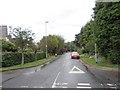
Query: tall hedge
{"type": "Point", "coordinates": [10, 59]}
{"type": "Point", "coordinates": [107, 30]}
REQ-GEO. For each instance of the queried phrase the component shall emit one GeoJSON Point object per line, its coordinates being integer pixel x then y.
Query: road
{"type": "Point", "coordinates": [62, 73]}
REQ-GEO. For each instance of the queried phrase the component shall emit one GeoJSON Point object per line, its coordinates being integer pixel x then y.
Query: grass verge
{"type": "Point", "coordinates": [31, 64]}
{"type": "Point", "coordinates": [102, 62]}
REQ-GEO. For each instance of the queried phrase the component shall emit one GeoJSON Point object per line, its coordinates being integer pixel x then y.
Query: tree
{"type": "Point", "coordinates": [77, 40]}
{"type": "Point", "coordinates": [70, 46]}
{"type": "Point", "coordinates": [107, 30]}
{"type": "Point", "coordinates": [7, 46]}
{"type": "Point", "coordinates": [52, 44]}
{"type": "Point", "coordinates": [60, 48]}
{"type": "Point", "coordinates": [22, 38]}
{"type": "Point", "coordinates": [55, 44]}
{"type": "Point", "coordinates": [85, 39]}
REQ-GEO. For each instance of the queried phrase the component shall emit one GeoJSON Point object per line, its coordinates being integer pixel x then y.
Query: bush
{"type": "Point", "coordinates": [40, 55]}
{"type": "Point", "coordinates": [10, 59]}
{"type": "Point", "coordinates": [29, 57]}
{"type": "Point", "coordinates": [8, 46]}
{"type": "Point", "coordinates": [114, 56]}
{"type": "Point", "coordinates": [84, 50]}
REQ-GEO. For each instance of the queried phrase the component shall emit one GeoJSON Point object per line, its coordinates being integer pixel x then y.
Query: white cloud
{"type": "Point", "coordinates": [65, 17]}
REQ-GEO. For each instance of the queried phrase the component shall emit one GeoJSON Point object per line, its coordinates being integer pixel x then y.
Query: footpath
{"type": "Point", "coordinates": [109, 75]}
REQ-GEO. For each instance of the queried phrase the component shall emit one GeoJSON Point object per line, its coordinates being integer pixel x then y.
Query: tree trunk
{"type": "Point", "coordinates": [22, 58]}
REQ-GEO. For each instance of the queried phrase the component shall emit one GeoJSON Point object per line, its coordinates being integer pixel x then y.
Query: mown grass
{"type": "Point", "coordinates": [102, 62]}
{"type": "Point", "coordinates": [31, 64]}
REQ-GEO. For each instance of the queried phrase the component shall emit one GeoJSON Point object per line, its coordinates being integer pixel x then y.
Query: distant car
{"type": "Point", "coordinates": [75, 55]}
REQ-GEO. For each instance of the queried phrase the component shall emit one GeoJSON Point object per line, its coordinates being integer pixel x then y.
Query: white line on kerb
{"type": "Point", "coordinates": [55, 80]}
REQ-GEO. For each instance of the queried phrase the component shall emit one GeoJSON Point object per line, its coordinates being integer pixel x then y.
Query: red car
{"type": "Point", "coordinates": [75, 55]}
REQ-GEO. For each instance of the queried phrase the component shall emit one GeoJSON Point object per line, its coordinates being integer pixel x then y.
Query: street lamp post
{"type": "Point", "coordinates": [96, 57]}
{"type": "Point", "coordinates": [95, 45]}
{"type": "Point", "coordinates": [46, 37]}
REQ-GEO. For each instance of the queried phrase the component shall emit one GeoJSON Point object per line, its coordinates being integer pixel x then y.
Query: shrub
{"type": "Point", "coordinates": [8, 46]}
{"type": "Point", "coordinates": [10, 59]}
{"type": "Point", "coordinates": [40, 55]}
{"type": "Point", "coordinates": [114, 56]}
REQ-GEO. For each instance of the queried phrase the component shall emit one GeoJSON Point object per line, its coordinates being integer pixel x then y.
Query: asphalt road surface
{"type": "Point", "coordinates": [62, 73]}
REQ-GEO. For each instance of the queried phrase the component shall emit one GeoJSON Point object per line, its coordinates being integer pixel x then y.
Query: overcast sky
{"type": "Point", "coordinates": [65, 17]}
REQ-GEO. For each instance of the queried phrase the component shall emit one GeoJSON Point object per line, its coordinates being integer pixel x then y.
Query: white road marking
{"type": "Point", "coordinates": [78, 70]}
{"type": "Point", "coordinates": [0, 86]}
{"type": "Point", "coordinates": [38, 87]}
{"type": "Point", "coordinates": [24, 86]}
{"type": "Point", "coordinates": [64, 83]}
{"type": "Point", "coordinates": [84, 87]}
{"type": "Point", "coordinates": [110, 84]}
{"type": "Point", "coordinates": [113, 87]}
{"type": "Point", "coordinates": [64, 87]}
{"type": "Point", "coordinates": [61, 84]}
{"type": "Point", "coordinates": [101, 84]}
{"type": "Point", "coordinates": [53, 86]}
{"type": "Point", "coordinates": [57, 83]}
{"type": "Point", "coordinates": [86, 84]}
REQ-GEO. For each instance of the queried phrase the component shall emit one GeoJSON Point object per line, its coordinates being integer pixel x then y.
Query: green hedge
{"type": "Point", "coordinates": [15, 58]}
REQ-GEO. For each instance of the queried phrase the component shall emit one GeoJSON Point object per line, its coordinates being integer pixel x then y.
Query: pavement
{"type": "Point", "coordinates": [104, 74]}
{"type": "Point", "coordinates": [62, 73]}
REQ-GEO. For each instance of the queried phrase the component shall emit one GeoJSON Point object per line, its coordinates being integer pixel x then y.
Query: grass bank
{"type": "Point", "coordinates": [102, 62]}
{"type": "Point", "coordinates": [31, 64]}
